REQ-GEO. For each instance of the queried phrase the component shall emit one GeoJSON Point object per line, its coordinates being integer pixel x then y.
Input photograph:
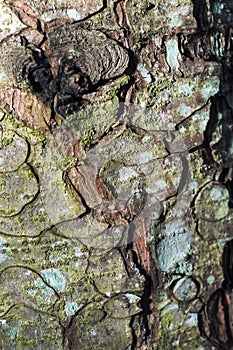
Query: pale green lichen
{"type": "Point", "coordinates": [71, 308]}
{"type": "Point", "coordinates": [144, 72]}
{"type": "Point", "coordinates": [3, 250]}
{"type": "Point", "coordinates": [185, 289]}
{"type": "Point", "coordinates": [173, 54]}
{"type": "Point", "coordinates": [211, 87]}
{"type": "Point", "coordinates": [55, 279]}
{"type": "Point", "coordinates": [216, 199]}
{"type": "Point", "coordinates": [125, 174]}
{"type": "Point", "coordinates": [73, 14]}
{"type": "Point", "coordinates": [210, 279]}
{"type": "Point", "coordinates": [17, 190]}
{"type": "Point", "coordinates": [185, 110]}
{"type": "Point", "coordinates": [174, 247]}
{"type": "Point", "coordinates": [172, 253]}
{"type": "Point", "coordinates": [177, 17]}
{"type": "Point", "coordinates": [186, 89]}
{"type": "Point", "coordinates": [192, 320]}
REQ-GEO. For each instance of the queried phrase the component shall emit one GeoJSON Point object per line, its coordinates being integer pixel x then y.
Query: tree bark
{"type": "Point", "coordinates": [116, 175]}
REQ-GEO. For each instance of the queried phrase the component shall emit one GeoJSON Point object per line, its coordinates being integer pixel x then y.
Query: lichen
{"type": "Point", "coordinates": [59, 266]}
{"type": "Point", "coordinates": [173, 54]}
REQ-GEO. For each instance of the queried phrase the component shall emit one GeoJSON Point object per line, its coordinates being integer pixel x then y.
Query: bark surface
{"type": "Point", "coordinates": [116, 190]}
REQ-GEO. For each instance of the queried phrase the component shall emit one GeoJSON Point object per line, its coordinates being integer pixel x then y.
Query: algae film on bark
{"type": "Point", "coordinates": [116, 175]}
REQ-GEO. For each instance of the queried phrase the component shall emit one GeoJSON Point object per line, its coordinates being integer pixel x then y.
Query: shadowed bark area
{"type": "Point", "coordinates": [116, 187]}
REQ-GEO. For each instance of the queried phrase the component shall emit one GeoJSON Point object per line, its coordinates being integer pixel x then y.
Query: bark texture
{"type": "Point", "coordinates": [116, 153]}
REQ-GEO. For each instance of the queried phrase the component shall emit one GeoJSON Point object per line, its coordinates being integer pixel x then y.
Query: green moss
{"type": "Point", "coordinates": [87, 138]}
{"type": "Point", "coordinates": [7, 140]}
{"type": "Point", "coordinates": [68, 162]}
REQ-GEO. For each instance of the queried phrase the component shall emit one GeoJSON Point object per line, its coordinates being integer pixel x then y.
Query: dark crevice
{"type": "Point", "coordinates": [213, 42]}
{"type": "Point", "coordinates": [134, 335]}
{"type": "Point", "coordinates": [121, 94]}
{"type": "Point", "coordinates": [200, 13]}
{"type": "Point", "coordinates": [214, 318]}
{"type": "Point", "coordinates": [145, 302]}
{"type": "Point", "coordinates": [191, 115]}
{"type": "Point", "coordinates": [67, 331]}
{"type": "Point", "coordinates": [37, 72]}
{"type": "Point", "coordinates": [123, 252]}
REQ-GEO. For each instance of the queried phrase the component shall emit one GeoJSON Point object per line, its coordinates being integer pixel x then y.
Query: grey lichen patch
{"type": "Point", "coordinates": [211, 87]}
{"type": "Point", "coordinates": [57, 193]}
{"type": "Point", "coordinates": [185, 289]}
{"type": "Point", "coordinates": [90, 329]}
{"type": "Point", "coordinates": [112, 266]}
{"type": "Point", "coordinates": [144, 73]}
{"type": "Point", "coordinates": [56, 190]}
{"type": "Point", "coordinates": [13, 151]}
{"type": "Point", "coordinates": [159, 15]}
{"type": "Point", "coordinates": [179, 329]}
{"type": "Point", "coordinates": [173, 251]}
{"type": "Point", "coordinates": [66, 9]}
{"type": "Point", "coordinates": [212, 202]}
{"type": "Point", "coordinates": [193, 128]}
{"type": "Point", "coordinates": [30, 221]}
{"type": "Point", "coordinates": [22, 328]}
{"type": "Point", "coordinates": [172, 319]}
{"type": "Point", "coordinates": [72, 270]}
{"type": "Point", "coordinates": [27, 292]}
{"type": "Point", "coordinates": [40, 285]}
{"type": "Point", "coordinates": [180, 16]}
{"type": "Point", "coordinates": [173, 54]}
{"type": "Point", "coordinates": [125, 185]}
{"type": "Point", "coordinates": [86, 121]}
{"type": "Point", "coordinates": [71, 308]}
{"type": "Point", "coordinates": [212, 229]}
{"type": "Point", "coordinates": [208, 263]}
{"type": "Point", "coordinates": [172, 102]}
{"type": "Point", "coordinates": [5, 249]}
{"type": "Point", "coordinates": [17, 189]}
{"type": "Point", "coordinates": [90, 232]}
{"type": "Point", "coordinates": [62, 275]}
{"type": "Point", "coordinates": [70, 256]}
{"type": "Point", "coordinates": [54, 278]}
{"type": "Point", "coordinates": [21, 145]}
{"type": "Point", "coordinates": [46, 292]}
{"type": "Point", "coordinates": [186, 89]}
{"type": "Point", "coordinates": [123, 306]}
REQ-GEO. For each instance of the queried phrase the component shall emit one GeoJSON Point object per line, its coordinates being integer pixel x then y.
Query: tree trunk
{"type": "Point", "coordinates": [116, 175]}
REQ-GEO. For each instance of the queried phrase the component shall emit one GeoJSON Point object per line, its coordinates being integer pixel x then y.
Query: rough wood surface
{"type": "Point", "coordinates": [116, 194]}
